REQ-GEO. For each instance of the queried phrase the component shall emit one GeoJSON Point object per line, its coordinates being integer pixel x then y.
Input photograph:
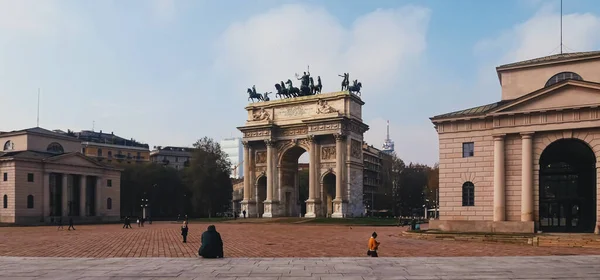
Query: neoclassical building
{"type": "Point", "coordinates": [329, 127]}
{"type": "Point", "coordinates": [530, 161]}
{"type": "Point", "coordinates": [45, 177]}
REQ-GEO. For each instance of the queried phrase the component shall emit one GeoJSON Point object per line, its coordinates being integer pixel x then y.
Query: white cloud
{"type": "Point", "coordinates": [540, 36]}
{"type": "Point", "coordinates": [272, 46]}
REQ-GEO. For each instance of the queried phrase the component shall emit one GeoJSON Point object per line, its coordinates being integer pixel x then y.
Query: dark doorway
{"type": "Point", "coordinates": [90, 197]}
{"type": "Point", "coordinates": [56, 193]}
{"type": "Point", "coordinates": [567, 187]}
{"type": "Point", "coordinates": [329, 193]}
{"type": "Point", "coordinates": [261, 194]}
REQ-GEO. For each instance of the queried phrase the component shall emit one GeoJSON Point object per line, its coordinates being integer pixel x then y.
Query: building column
{"type": "Point", "coordinates": [268, 203]}
{"type": "Point", "coordinates": [65, 197]}
{"type": "Point", "coordinates": [46, 193]}
{"type": "Point", "coordinates": [247, 202]}
{"type": "Point", "coordinates": [526, 177]}
{"type": "Point", "coordinates": [82, 196]}
{"type": "Point", "coordinates": [499, 180]}
{"type": "Point", "coordinates": [311, 203]}
{"type": "Point", "coordinates": [338, 211]}
{"type": "Point", "coordinates": [597, 229]}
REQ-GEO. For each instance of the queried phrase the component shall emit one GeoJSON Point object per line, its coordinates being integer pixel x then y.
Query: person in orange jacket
{"type": "Point", "coordinates": [373, 245]}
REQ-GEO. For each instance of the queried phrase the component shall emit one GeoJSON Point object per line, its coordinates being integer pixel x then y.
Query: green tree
{"type": "Point", "coordinates": [208, 179]}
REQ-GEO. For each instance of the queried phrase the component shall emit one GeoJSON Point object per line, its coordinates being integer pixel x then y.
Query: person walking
{"type": "Point", "coordinates": [244, 213]}
{"type": "Point", "coordinates": [184, 231]}
{"type": "Point", "coordinates": [71, 224]}
{"type": "Point", "coordinates": [373, 245]}
{"type": "Point", "coordinates": [60, 225]}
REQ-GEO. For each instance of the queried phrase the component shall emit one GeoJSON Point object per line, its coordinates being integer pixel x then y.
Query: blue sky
{"type": "Point", "coordinates": [167, 72]}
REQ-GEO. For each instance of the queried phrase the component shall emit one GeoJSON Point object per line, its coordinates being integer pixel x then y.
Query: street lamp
{"type": "Point", "coordinates": [144, 205]}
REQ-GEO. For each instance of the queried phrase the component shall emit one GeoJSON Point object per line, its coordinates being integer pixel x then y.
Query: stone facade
{"type": "Point", "coordinates": [43, 182]}
{"type": "Point", "coordinates": [498, 147]}
{"type": "Point", "coordinates": [327, 126]}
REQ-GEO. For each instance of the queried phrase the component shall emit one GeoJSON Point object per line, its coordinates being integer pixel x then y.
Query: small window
{"type": "Point", "coordinates": [30, 201]}
{"type": "Point", "coordinates": [109, 203]}
{"type": "Point", "coordinates": [176, 159]}
{"type": "Point", "coordinates": [468, 194]}
{"type": "Point", "coordinates": [100, 152]}
{"type": "Point", "coordinates": [468, 149]}
{"type": "Point", "coordinates": [109, 154]}
{"type": "Point", "coordinates": [30, 177]}
{"type": "Point", "coordinates": [83, 151]}
{"type": "Point", "coordinates": [5, 176]}
{"type": "Point", "coordinates": [5, 200]}
{"type": "Point", "coordinates": [109, 183]}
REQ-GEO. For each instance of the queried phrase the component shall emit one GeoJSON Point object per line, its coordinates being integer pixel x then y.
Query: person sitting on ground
{"type": "Point", "coordinates": [212, 244]}
{"type": "Point", "coordinates": [373, 245]}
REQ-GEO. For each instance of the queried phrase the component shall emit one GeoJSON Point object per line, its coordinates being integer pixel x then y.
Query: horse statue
{"type": "Point", "coordinates": [355, 87]}
{"type": "Point", "coordinates": [294, 91]}
{"type": "Point", "coordinates": [315, 89]}
{"type": "Point", "coordinates": [253, 95]}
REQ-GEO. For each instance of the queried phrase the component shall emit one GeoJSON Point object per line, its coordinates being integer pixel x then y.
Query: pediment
{"type": "Point", "coordinates": [74, 159]}
{"type": "Point", "coordinates": [563, 97]}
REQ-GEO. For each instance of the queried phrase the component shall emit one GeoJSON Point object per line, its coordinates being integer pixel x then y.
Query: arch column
{"type": "Point", "coordinates": [526, 177]}
{"type": "Point", "coordinates": [338, 202]}
{"type": "Point", "coordinates": [499, 179]}
{"type": "Point", "coordinates": [247, 201]}
{"type": "Point", "coordinates": [268, 203]}
{"type": "Point", "coordinates": [312, 204]}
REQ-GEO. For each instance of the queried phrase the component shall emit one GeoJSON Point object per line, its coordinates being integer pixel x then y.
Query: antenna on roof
{"type": "Point", "coordinates": [93, 125]}
{"type": "Point", "coordinates": [561, 27]}
{"type": "Point", "coordinates": [38, 109]}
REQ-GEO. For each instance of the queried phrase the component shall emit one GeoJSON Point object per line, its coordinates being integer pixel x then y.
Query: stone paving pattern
{"type": "Point", "coordinates": [245, 240]}
{"type": "Point", "coordinates": [556, 267]}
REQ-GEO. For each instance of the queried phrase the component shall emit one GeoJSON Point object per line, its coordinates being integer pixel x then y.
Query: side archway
{"type": "Point", "coordinates": [567, 186]}
{"type": "Point", "coordinates": [328, 182]}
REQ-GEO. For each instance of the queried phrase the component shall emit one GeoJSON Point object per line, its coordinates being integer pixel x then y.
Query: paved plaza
{"type": "Point", "coordinates": [246, 240]}
{"type": "Point", "coordinates": [565, 267]}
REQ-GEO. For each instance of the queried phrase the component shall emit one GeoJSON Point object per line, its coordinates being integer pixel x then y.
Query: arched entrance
{"type": "Point", "coordinates": [261, 194]}
{"type": "Point", "coordinates": [294, 182]}
{"type": "Point", "coordinates": [567, 194]}
{"type": "Point", "coordinates": [328, 193]}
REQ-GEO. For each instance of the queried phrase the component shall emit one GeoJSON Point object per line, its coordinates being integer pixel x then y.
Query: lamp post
{"type": "Point", "coordinates": [144, 205]}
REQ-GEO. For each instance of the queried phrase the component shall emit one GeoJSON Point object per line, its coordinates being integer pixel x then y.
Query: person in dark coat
{"type": "Point", "coordinates": [212, 244]}
{"type": "Point", "coordinates": [71, 224]}
{"type": "Point", "coordinates": [184, 231]}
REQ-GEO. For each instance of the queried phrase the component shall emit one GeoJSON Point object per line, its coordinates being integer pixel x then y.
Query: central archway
{"type": "Point", "coordinates": [567, 194]}
{"type": "Point", "coordinates": [294, 182]}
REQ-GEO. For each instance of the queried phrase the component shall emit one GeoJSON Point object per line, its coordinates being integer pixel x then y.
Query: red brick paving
{"type": "Point", "coordinates": [245, 240]}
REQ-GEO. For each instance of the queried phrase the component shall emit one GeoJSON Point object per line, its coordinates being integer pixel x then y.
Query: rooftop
{"type": "Point", "coordinates": [550, 59]}
{"type": "Point", "coordinates": [479, 110]}
{"type": "Point", "coordinates": [108, 138]}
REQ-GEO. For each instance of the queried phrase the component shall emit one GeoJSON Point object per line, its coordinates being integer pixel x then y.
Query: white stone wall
{"type": "Point", "coordinates": [355, 193]}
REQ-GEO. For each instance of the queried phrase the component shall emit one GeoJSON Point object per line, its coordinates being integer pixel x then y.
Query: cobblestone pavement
{"type": "Point", "coordinates": [246, 240]}
{"type": "Point", "coordinates": [554, 267]}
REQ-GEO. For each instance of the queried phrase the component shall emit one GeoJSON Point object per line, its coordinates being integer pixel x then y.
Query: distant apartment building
{"type": "Point", "coordinates": [175, 157]}
{"type": "Point", "coordinates": [374, 161]}
{"type": "Point", "coordinates": [234, 149]}
{"type": "Point", "coordinates": [110, 148]}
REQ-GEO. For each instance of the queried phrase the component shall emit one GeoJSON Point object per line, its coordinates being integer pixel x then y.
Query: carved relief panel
{"type": "Point", "coordinates": [328, 153]}
{"type": "Point", "coordinates": [261, 157]}
{"type": "Point", "coordinates": [356, 149]}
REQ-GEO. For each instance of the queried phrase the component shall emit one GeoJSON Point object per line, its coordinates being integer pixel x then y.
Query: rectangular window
{"type": "Point", "coordinates": [29, 177]}
{"type": "Point", "coordinates": [468, 149]}
{"type": "Point", "coordinates": [109, 183]}
{"type": "Point", "coordinates": [5, 176]}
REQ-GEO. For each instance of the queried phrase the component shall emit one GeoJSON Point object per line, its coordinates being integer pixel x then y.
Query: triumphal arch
{"type": "Point", "coordinates": [329, 127]}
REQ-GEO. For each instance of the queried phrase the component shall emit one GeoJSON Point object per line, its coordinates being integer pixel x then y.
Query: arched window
{"type": "Point", "coordinates": [5, 201]}
{"type": "Point", "coordinates": [563, 76]}
{"type": "Point", "coordinates": [109, 203]}
{"type": "Point", "coordinates": [9, 145]}
{"type": "Point", "coordinates": [30, 201]}
{"type": "Point", "coordinates": [55, 148]}
{"type": "Point", "coordinates": [99, 152]}
{"type": "Point", "coordinates": [468, 194]}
